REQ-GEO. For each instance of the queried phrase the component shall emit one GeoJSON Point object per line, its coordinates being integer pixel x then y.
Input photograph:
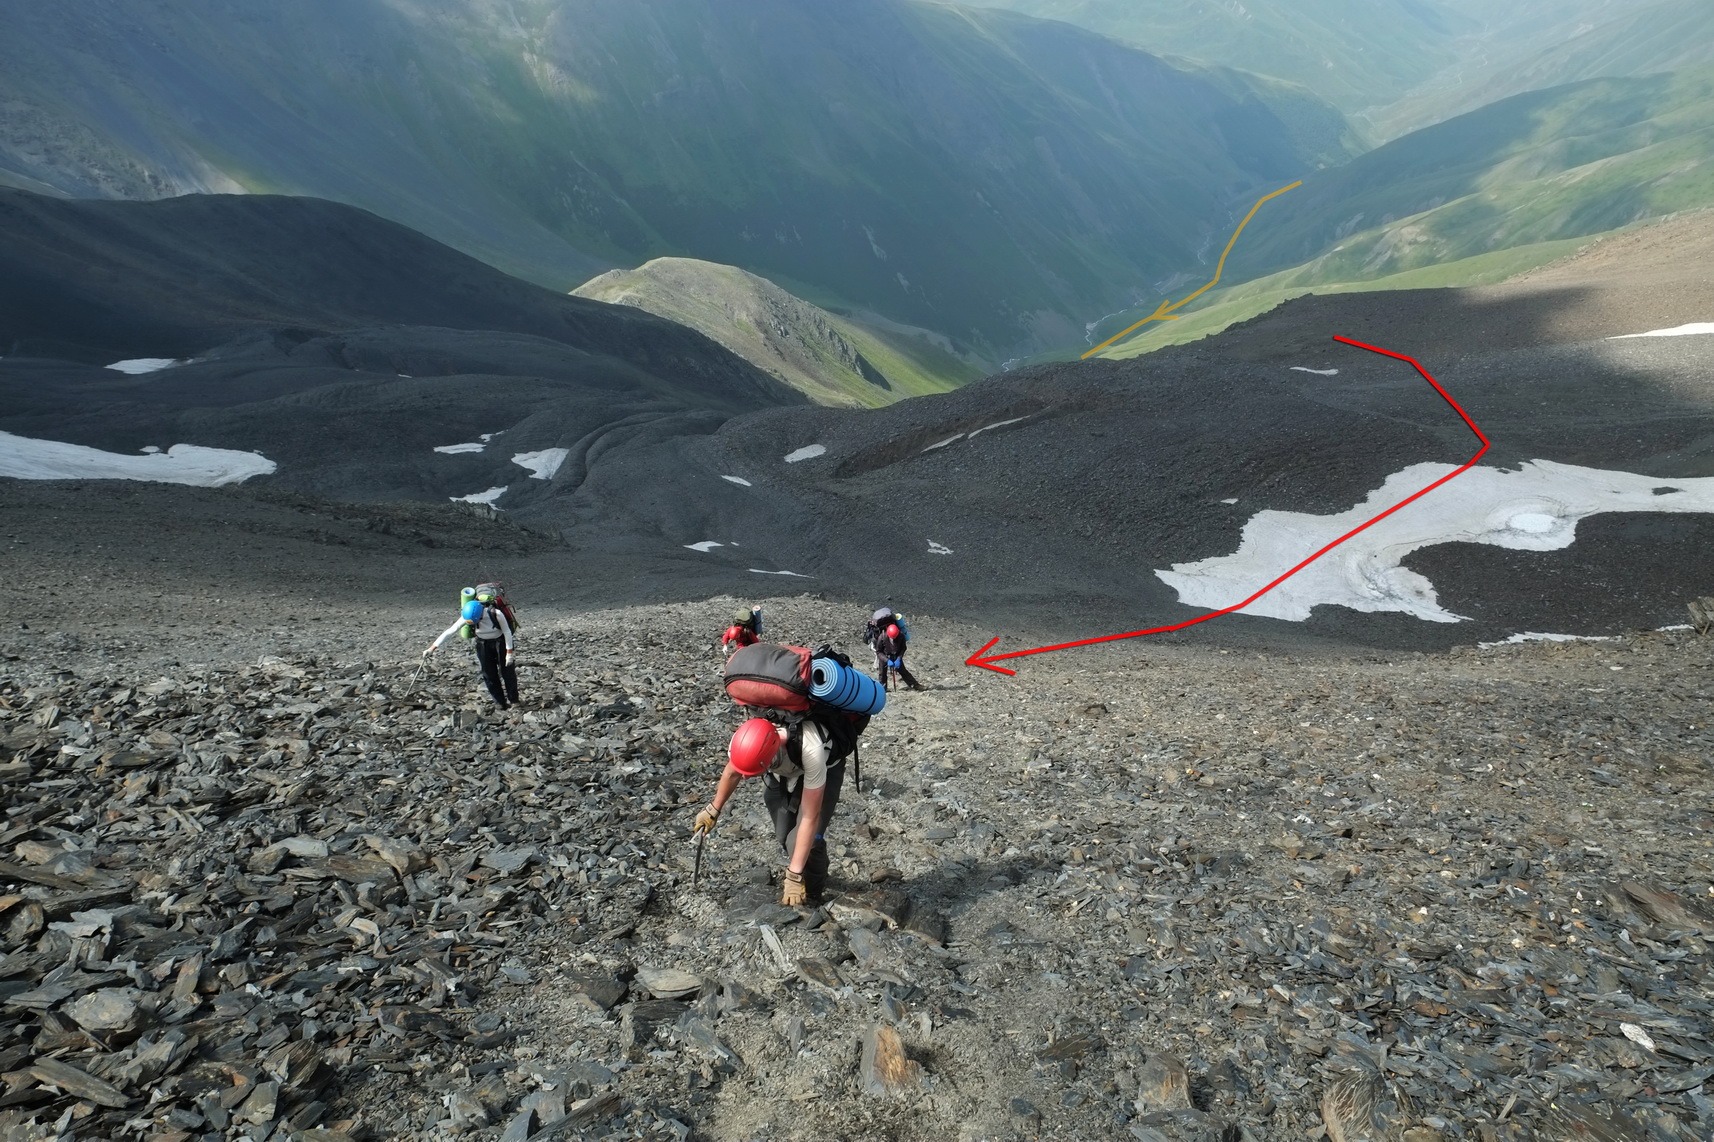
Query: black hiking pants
{"type": "Point", "coordinates": [904, 675]}
{"type": "Point", "coordinates": [783, 805]}
{"type": "Point", "coordinates": [501, 679]}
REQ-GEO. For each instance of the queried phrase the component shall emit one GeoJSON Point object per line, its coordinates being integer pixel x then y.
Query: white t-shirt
{"type": "Point", "coordinates": [813, 771]}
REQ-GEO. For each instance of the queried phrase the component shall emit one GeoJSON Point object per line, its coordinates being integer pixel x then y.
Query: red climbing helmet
{"type": "Point", "coordinates": [754, 745]}
{"type": "Point", "coordinates": [893, 630]}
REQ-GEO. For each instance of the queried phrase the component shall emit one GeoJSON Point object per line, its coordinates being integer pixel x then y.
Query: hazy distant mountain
{"type": "Point", "coordinates": [1561, 163]}
{"type": "Point", "coordinates": [831, 359]}
{"type": "Point", "coordinates": [985, 175]}
{"type": "Point", "coordinates": [1354, 53]}
{"type": "Point", "coordinates": [1396, 65]}
{"type": "Point", "coordinates": [1641, 39]}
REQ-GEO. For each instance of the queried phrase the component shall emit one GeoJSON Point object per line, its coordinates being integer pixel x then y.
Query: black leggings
{"type": "Point", "coordinates": [904, 675]}
{"type": "Point", "coordinates": [783, 806]}
{"type": "Point", "coordinates": [491, 655]}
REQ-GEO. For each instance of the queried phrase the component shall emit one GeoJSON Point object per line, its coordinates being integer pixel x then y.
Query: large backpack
{"type": "Point", "coordinates": [777, 679]}
{"type": "Point", "coordinates": [878, 623]}
{"type": "Point", "coordinates": [769, 675]}
{"type": "Point", "coordinates": [500, 604]}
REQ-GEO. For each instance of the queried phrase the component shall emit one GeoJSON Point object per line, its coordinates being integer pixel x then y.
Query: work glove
{"type": "Point", "coordinates": [794, 893]}
{"type": "Point", "coordinates": [428, 652]}
{"type": "Point", "coordinates": [894, 662]}
{"type": "Point", "coordinates": [706, 819]}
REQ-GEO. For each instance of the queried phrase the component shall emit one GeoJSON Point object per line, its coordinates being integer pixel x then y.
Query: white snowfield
{"type": "Point", "coordinates": [1535, 508]}
{"type": "Point", "coordinates": [739, 480]}
{"type": "Point", "coordinates": [457, 449]}
{"type": "Point", "coordinates": [705, 546]}
{"type": "Point", "coordinates": [1691, 330]}
{"type": "Point", "coordinates": [542, 465]}
{"type": "Point", "coordinates": [1317, 372]}
{"type": "Point", "coordinates": [137, 366]}
{"type": "Point", "coordinates": [488, 497]}
{"type": "Point", "coordinates": [807, 452]}
{"type": "Point", "coordinates": [23, 458]}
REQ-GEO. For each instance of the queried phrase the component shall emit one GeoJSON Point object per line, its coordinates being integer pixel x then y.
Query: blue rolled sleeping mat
{"type": "Point", "coordinates": [845, 687]}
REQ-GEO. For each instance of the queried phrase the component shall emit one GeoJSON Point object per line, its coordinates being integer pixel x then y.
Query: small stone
{"type": "Point", "coordinates": [109, 1009]}
{"type": "Point", "coordinates": [1162, 1084]}
{"type": "Point", "coordinates": [262, 1104]}
{"type": "Point", "coordinates": [521, 1126]}
{"type": "Point", "coordinates": [465, 1112]}
{"type": "Point", "coordinates": [1025, 1111]}
{"type": "Point", "coordinates": [78, 1084]}
{"type": "Point", "coordinates": [668, 983]}
{"type": "Point", "coordinates": [885, 1068]}
{"type": "Point", "coordinates": [815, 969]}
{"type": "Point", "coordinates": [406, 857]}
{"type": "Point", "coordinates": [508, 861]}
{"type": "Point", "coordinates": [603, 991]}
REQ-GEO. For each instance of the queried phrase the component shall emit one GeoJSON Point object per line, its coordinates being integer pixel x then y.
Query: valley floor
{"type": "Point", "coordinates": [267, 882]}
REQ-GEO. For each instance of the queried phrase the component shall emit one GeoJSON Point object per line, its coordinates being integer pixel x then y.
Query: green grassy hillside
{"type": "Point", "coordinates": [1563, 163]}
{"type": "Point", "coordinates": [1467, 202]}
{"type": "Point", "coordinates": [833, 360]}
{"type": "Point", "coordinates": [975, 172]}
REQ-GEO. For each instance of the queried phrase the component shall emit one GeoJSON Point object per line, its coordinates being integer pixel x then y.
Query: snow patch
{"type": "Point", "coordinates": [794, 574]}
{"type": "Point", "coordinates": [455, 449]}
{"type": "Point", "coordinates": [1691, 330]}
{"type": "Point", "coordinates": [487, 497]}
{"type": "Point", "coordinates": [1535, 508]}
{"type": "Point", "coordinates": [996, 424]}
{"type": "Point", "coordinates": [705, 545]}
{"type": "Point", "coordinates": [1535, 636]}
{"type": "Point", "coordinates": [149, 449]}
{"type": "Point", "coordinates": [137, 366]}
{"type": "Point", "coordinates": [943, 443]}
{"type": "Point", "coordinates": [23, 458]}
{"type": "Point", "coordinates": [487, 436]}
{"type": "Point", "coordinates": [807, 452]}
{"type": "Point", "coordinates": [937, 549]}
{"type": "Point", "coordinates": [542, 465]}
{"type": "Point", "coordinates": [739, 480]}
{"type": "Point", "coordinates": [1317, 372]}
{"type": "Point", "coordinates": [1229, 501]}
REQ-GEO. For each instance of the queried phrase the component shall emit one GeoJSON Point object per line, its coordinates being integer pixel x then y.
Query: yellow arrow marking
{"type": "Point", "coordinates": [1165, 312]}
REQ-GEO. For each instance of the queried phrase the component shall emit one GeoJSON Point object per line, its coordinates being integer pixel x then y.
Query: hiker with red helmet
{"type": "Point", "coordinates": [799, 784]}
{"type": "Point", "coordinates": [746, 630]}
{"type": "Point", "coordinates": [890, 647]}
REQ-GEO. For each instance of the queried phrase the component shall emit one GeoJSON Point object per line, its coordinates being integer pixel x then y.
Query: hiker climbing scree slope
{"type": "Point", "coordinates": [746, 630]}
{"type": "Point", "coordinates": [483, 618]}
{"type": "Point", "coordinates": [800, 787]}
{"type": "Point", "coordinates": [818, 706]}
{"type": "Point", "coordinates": [887, 634]}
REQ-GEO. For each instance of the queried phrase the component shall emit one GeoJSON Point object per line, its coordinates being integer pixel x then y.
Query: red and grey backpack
{"type": "Point", "coordinates": [776, 679]}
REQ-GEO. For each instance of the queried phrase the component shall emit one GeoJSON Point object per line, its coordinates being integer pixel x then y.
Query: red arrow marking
{"type": "Point", "coordinates": [985, 660]}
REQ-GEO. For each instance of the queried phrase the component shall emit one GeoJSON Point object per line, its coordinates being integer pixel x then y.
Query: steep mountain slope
{"type": "Point", "coordinates": [978, 173]}
{"type": "Point", "coordinates": [829, 358]}
{"type": "Point", "coordinates": [344, 347]}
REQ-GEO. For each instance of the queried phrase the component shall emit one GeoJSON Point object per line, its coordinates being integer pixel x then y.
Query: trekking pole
{"type": "Point", "coordinates": [696, 868]}
{"type": "Point", "coordinates": [418, 676]}
{"type": "Point", "coordinates": [857, 765]}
